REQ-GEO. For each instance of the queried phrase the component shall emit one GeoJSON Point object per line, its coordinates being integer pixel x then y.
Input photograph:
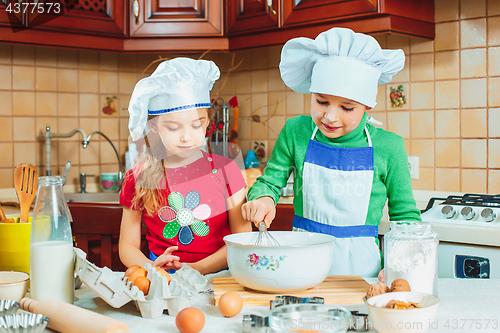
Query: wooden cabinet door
{"type": "Point", "coordinates": [180, 18]}
{"type": "Point", "coordinates": [98, 17]}
{"type": "Point", "coordinates": [316, 11]}
{"type": "Point", "coordinates": [252, 15]}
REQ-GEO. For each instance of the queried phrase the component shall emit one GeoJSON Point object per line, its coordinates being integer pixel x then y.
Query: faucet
{"type": "Point", "coordinates": [120, 173]}
{"type": "Point", "coordinates": [48, 135]}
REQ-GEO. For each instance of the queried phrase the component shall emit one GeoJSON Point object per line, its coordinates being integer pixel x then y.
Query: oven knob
{"type": "Point", "coordinates": [488, 214]}
{"type": "Point", "coordinates": [448, 212]}
{"type": "Point", "coordinates": [468, 213]}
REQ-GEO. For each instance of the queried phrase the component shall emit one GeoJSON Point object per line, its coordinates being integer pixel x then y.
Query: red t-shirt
{"type": "Point", "coordinates": [194, 215]}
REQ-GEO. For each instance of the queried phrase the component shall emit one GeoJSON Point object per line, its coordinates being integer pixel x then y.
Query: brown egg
{"type": "Point", "coordinates": [130, 270]}
{"type": "Point", "coordinates": [138, 272]}
{"type": "Point", "coordinates": [230, 304]}
{"type": "Point", "coordinates": [143, 284]}
{"type": "Point", "coordinates": [190, 320]}
{"type": "Point", "coordinates": [164, 273]}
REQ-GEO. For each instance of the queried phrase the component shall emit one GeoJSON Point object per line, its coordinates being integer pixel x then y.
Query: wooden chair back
{"type": "Point", "coordinates": [96, 230]}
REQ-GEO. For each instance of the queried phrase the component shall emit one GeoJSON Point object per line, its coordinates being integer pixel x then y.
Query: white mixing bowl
{"type": "Point", "coordinates": [302, 260]}
{"type": "Point", "coordinates": [418, 320]}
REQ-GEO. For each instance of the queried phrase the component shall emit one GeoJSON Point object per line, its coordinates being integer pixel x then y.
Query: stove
{"type": "Point", "coordinates": [479, 210]}
{"type": "Point", "coordinates": [469, 230]}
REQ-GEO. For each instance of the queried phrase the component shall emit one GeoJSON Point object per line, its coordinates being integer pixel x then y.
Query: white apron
{"type": "Point", "coordinates": [336, 188]}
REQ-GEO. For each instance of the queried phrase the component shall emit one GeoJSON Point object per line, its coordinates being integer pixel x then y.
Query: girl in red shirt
{"type": "Point", "coordinates": [188, 199]}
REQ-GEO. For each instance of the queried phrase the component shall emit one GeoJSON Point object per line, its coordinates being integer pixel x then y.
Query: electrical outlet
{"type": "Point", "coordinates": [413, 166]}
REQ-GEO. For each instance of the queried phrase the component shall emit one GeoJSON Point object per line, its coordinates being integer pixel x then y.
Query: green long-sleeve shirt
{"type": "Point", "coordinates": [391, 178]}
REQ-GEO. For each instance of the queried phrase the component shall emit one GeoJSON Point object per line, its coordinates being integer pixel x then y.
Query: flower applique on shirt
{"type": "Point", "coordinates": [184, 216]}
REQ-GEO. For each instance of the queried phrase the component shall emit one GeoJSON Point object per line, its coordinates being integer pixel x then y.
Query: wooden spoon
{"type": "Point", "coordinates": [3, 218]}
{"type": "Point", "coordinates": [26, 181]}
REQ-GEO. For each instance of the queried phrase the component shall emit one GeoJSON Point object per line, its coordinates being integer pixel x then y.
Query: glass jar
{"type": "Point", "coordinates": [51, 245]}
{"type": "Point", "coordinates": [411, 253]}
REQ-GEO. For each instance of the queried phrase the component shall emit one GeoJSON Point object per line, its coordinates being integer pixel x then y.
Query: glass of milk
{"type": "Point", "coordinates": [51, 245]}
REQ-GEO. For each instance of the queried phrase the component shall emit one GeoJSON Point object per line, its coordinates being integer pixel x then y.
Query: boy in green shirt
{"type": "Point", "coordinates": [345, 168]}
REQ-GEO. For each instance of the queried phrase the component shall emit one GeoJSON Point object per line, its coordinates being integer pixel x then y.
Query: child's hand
{"type": "Point", "coordinates": [167, 261]}
{"type": "Point", "coordinates": [381, 276]}
{"type": "Point", "coordinates": [261, 209]}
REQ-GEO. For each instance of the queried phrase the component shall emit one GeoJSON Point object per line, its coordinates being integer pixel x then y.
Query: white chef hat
{"type": "Point", "coordinates": [176, 85]}
{"type": "Point", "coordinates": [339, 62]}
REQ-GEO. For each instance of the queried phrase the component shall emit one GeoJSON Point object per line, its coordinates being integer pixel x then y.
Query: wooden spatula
{"type": "Point", "coordinates": [3, 218]}
{"type": "Point", "coordinates": [26, 181]}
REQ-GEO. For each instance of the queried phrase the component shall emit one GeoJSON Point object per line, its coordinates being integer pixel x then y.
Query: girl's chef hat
{"type": "Point", "coordinates": [176, 85]}
{"type": "Point", "coordinates": [339, 62]}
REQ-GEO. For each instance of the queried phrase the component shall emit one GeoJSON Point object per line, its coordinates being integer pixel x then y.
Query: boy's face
{"type": "Point", "coordinates": [182, 133]}
{"type": "Point", "coordinates": [336, 116]}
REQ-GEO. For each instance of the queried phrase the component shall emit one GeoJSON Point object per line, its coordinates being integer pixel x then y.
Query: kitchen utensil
{"type": "Point", "coordinates": [274, 268]}
{"type": "Point", "coordinates": [287, 299]}
{"type": "Point", "coordinates": [8, 307]}
{"type": "Point", "coordinates": [336, 289]}
{"type": "Point", "coordinates": [359, 322]}
{"type": "Point", "coordinates": [24, 322]}
{"type": "Point", "coordinates": [255, 324]}
{"type": "Point", "coordinates": [26, 181]}
{"type": "Point", "coordinates": [66, 170]}
{"type": "Point", "coordinates": [69, 318]}
{"type": "Point", "coordinates": [409, 321]}
{"type": "Point", "coordinates": [320, 317]}
{"type": "Point", "coordinates": [265, 238]}
{"type": "Point", "coordinates": [13, 285]}
{"type": "Point", "coordinates": [4, 218]}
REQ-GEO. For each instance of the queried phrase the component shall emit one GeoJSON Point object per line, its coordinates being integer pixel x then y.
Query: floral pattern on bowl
{"type": "Point", "coordinates": [262, 262]}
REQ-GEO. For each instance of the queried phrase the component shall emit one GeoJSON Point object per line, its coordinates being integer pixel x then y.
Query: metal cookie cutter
{"type": "Point", "coordinates": [255, 324]}
{"type": "Point", "coordinates": [359, 322]}
{"type": "Point", "coordinates": [285, 300]}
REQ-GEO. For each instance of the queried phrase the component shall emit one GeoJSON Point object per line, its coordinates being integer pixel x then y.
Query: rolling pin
{"type": "Point", "coordinates": [69, 318]}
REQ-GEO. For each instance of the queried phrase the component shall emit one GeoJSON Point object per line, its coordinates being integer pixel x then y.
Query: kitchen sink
{"type": "Point", "coordinates": [102, 197]}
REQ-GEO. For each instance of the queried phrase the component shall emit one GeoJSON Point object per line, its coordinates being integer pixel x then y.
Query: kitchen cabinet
{"type": "Point", "coordinates": [200, 25]}
{"type": "Point", "coordinates": [93, 24]}
{"type": "Point", "coordinates": [251, 15]}
{"type": "Point", "coordinates": [182, 18]}
{"type": "Point", "coordinates": [307, 18]}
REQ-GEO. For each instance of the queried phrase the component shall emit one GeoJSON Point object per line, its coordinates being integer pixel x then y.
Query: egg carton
{"type": "Point", "coordinates": [117, 291]}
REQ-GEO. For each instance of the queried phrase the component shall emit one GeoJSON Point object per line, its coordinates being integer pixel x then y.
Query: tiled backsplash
{"type": "Point", "coordinates": [451, 119]}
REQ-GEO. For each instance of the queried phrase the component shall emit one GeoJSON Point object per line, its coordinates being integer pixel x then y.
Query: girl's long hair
{"type": "Point", "coordinates": [149, 172]}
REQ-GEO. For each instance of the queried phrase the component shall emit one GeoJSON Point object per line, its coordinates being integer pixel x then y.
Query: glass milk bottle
{"type": "Point", "coordinates": [51, 249]}
{"type": "Point", "coordinates": [411, 253]}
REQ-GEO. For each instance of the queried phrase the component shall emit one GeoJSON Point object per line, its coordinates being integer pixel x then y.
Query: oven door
{"type": "Point", "coordinates": [468, 261]}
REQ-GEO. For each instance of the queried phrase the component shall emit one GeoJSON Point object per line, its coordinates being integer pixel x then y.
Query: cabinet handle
{"type": "Point", "coordinates": [270, 5]}
{"type": "Point", "coordinates": [136, 10]}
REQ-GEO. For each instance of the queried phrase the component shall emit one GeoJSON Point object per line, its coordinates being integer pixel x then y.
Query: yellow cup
{"type": "Point", "coordinates": [15, 246]}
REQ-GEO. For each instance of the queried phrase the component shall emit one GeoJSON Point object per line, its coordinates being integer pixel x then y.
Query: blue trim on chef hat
{"type": "Point", "coordinates": [180, 108]}
{"type": "Point", "coordinates": [176, 85]}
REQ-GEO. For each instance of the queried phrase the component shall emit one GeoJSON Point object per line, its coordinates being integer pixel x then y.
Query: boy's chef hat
{"type": "Point", "coordinates": [339, 62]}
{"type": "Point", "coordinates": [176, 85]}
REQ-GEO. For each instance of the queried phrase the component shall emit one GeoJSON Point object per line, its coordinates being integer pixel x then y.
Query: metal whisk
{"type": "Point", "coordinates": [265, 238]}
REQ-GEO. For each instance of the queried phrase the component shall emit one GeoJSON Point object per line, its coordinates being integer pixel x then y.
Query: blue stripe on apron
{"type": "Point", "coordinates": [337, 158]}
{"type": "Point", "coordinates": [339, 232]}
